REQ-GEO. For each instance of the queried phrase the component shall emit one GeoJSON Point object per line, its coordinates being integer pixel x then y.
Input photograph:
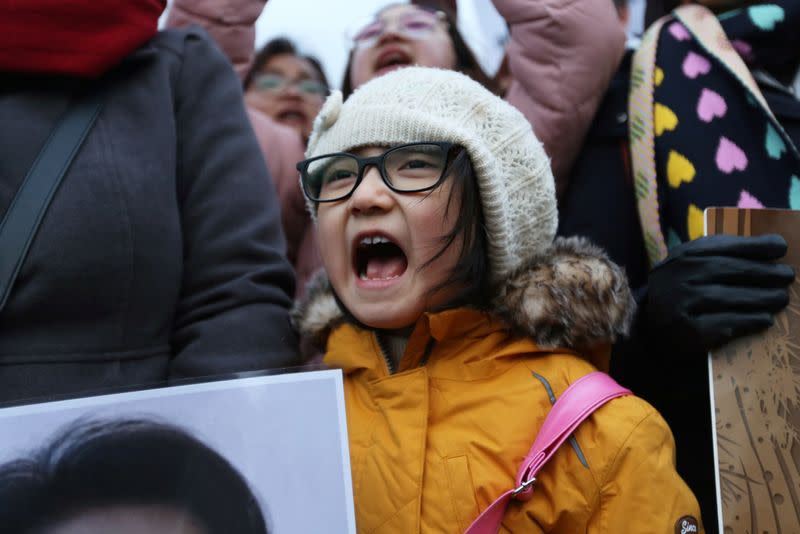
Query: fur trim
{"type": "Point", "coordinates": [570, 296]}
{"type": "Point", "coordinates": [317, 314]}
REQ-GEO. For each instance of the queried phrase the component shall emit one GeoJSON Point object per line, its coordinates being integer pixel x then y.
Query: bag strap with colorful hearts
{"type": "Point", "coordinates": [705, 28]}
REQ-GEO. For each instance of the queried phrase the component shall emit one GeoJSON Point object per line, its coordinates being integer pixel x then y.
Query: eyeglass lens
{"type": "Point", "coordinates": [414, 25]}
{"type": "Point", "coordinates": [275, 82]}
{"type": "Point", "coordinates": [409, 168]}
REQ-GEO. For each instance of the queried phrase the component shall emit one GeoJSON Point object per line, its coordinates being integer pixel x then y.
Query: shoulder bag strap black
{"type": "Point", "coordinates": [29, 205]}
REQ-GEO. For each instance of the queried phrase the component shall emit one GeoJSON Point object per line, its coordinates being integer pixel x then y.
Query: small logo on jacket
{"type": "Point", "coordinates": [686, 525]}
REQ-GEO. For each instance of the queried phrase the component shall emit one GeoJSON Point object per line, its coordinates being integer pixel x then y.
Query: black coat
{"type": "Point", "coordinates": [600, 202]}
{"type": "Point", "coordinates": [161, 255]}
{"type": "Point", "coordinates": [601, 205]}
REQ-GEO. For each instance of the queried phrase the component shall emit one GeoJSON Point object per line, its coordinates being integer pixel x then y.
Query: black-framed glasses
{"type": "Point", "coordinates": [275, 82]}
{"type": "Point", "coordinates": [410, 168]}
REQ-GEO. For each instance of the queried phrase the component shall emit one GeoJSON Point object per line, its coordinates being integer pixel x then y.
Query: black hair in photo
{"type": "Point", "coordinates": [134, 462]}
{"type": "Point", "coordinates": [471, 270]}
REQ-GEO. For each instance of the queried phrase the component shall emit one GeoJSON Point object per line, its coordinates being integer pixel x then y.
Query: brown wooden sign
{"type": "Point", "coordinates": [756, 399]}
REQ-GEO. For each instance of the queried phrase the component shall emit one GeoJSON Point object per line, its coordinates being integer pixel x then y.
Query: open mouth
{"type": "Point", "coordinates": [291, 116]}
{"type": "Point", "coordinates": [379, 258]}
{"type": "Point", "coordinates": [392, 59]}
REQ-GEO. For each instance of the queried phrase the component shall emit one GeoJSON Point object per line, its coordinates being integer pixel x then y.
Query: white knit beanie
{"type": "Point", "coordinates": [417, 104]}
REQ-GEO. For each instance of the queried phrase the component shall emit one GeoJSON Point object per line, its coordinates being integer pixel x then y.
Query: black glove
{"type": "Point", "coordinates": [714, 289]}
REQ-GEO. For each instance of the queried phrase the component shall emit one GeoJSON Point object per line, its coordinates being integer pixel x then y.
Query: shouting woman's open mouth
{"type": "Point", "coordinates": [390, 59]}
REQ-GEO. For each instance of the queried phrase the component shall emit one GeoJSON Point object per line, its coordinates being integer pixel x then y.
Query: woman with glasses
{"type": "Point", "coordinates": [561, 56]}
{"type": "Point", "coordinates": [286, 86]}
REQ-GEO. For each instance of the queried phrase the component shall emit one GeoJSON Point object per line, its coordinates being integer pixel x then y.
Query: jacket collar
{"type": "Point", "coordinates": [466, 341]}
{"type": "Point", "coordinates": [570, 296]}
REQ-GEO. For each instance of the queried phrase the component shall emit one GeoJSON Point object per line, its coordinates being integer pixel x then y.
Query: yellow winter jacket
{"type": "Point", "coordinates": [434, 443]}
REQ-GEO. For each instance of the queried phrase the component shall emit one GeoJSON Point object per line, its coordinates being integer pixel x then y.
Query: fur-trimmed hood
{"type": "Point", "coordinates": [571, 296]}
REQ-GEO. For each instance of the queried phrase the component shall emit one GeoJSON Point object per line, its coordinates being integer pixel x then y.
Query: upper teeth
{"type": "Point", "coordinates": [373, 240]}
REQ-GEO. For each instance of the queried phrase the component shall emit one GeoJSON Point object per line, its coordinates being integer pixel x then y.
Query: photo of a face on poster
{"type": "Point", "coordinates": [250, 455]}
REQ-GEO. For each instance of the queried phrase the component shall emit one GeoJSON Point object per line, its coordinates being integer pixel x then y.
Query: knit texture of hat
{"type": "Point", "coordinates": [417, 104]}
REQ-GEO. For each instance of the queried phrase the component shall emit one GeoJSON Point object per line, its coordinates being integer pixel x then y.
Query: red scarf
{"type": "Point", "coordinates": [73, 37]}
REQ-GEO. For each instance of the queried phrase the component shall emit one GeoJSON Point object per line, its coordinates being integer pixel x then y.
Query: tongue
{"type": "Point", "coordinates": [381, 268]}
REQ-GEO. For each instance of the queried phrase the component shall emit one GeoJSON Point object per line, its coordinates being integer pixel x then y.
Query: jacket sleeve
{"type": "Point", "coordinates": [230, 22]}
{"type": "Point", "coordinates": [642, 492]}
{"type": "Point", "coordinates": [562, 55]}
{"type": "Point", "coordinates": [235, 296]}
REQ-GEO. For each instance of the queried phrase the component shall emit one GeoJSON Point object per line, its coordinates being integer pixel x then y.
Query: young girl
{"type": "Point", "coordinates": [457, 320]}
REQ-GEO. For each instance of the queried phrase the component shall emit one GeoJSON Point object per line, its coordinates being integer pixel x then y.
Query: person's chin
{"type": "Point", "coordinates": [384, 314]}
{"type": "Point", "coordinates": [380, 320]}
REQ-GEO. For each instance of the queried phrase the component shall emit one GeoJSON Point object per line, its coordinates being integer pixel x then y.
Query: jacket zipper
{"type": "Point", "coordinates": [386, 359]}
{"type": "Point", "coordinates": [390, 364]}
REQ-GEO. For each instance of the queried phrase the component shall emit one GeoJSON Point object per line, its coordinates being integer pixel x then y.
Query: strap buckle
{"type": "Point", "coordinates": [524, 486]}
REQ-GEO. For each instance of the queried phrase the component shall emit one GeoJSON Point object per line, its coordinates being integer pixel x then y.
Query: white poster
{"type": "Point", "coordinates": [276, 444]}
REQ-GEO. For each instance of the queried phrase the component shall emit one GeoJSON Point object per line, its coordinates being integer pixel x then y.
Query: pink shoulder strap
{"type": "Point", "coordinates": [578, 401]}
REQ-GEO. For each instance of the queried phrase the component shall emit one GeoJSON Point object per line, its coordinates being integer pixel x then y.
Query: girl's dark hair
{"type": "Point", "coordinates": [277, 46]}
{"type": "Point", "coordinates": [107, 463]}
{"type": "Point", "coordinates": [472, 267]}
{"type": "Point", "coordinates": [465, 59]}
